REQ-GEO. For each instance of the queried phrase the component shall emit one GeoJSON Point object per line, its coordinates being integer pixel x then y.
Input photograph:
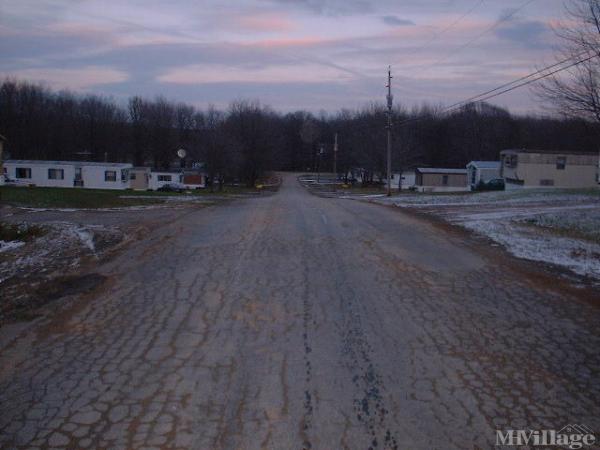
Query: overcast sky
{"type": "Point", "coordinates": [290, 54]}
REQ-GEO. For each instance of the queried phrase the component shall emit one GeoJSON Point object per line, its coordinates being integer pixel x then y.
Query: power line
{"type": "Point", "coordinates": [503, 89]}
{"type": "Point", "coordinates": [448, 28]}
{"type": "Point", "coordinates": [559, 63]}
{"type": "Point", "coordinates": [525, 83]}
{"type": "Point", "coordinates": [483, 33]}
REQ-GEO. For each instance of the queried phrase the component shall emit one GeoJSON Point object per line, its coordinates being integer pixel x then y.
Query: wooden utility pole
{"type": "Point", "coordinates": [390, 99]}
{"type": "Point", "coordinates": [335, 150]}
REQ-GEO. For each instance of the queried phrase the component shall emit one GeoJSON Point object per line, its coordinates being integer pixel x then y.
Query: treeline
{"type": "Point", "coordinates": [249, 139]}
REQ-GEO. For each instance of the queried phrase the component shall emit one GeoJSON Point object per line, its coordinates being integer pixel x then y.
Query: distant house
{"type": "Point", "coordinates": [194, 178]}
{"type": "Point", "coordinates": [93, 175]}
{"type": "Point", "coordinates": [159, 178]}
{"type": "Point", "coordinates": [539, 168]}
{"type": "Point", "coordinates": [440, 180]}
{"type": "Point", "coordinates": [408, 179]}
{"type": "Point", "coordinates": [139, 178]}
{"type": "Point", "coordinates": [484, 171]}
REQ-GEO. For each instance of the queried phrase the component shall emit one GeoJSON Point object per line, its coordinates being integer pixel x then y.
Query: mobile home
{"type": "Point", "coordinates": [139, 178]}
{"type": "Point", "coordinates": [538, 168]}
{"type": "Point", "coordinates": [440, 180]}
{"type": "Point", "coordinates": [93, 175]}
{"type": "Point", "coordinates": [157, 179]}
{"type": "Point", "coordinates": [482, 171]}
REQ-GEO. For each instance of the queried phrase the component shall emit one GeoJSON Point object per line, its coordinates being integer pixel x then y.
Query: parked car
{"type": "Point", "coordinates": [172, 187]}
{"type": "Point", "coordinates": [497, 184]}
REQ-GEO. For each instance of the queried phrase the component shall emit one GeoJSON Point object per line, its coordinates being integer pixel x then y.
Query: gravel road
{"type": "Point", "coordinates": [299, 322]}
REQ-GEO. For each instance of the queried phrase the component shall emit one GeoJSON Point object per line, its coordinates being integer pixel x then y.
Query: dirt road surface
{"type": "Point", "coordinates": [299, 322]}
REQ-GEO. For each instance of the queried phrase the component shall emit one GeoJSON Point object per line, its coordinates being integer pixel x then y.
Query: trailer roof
{"type": "Point", "coordinates": [549, 152]}
{"type": "Point", "coordinates": [67, 163]}
{"type": "Point", "coordinates": [485, 164]}
{"type": "Point", "coordinates": [442, 170]}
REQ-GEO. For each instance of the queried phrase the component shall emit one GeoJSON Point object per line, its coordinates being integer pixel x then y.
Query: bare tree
{"type": "Point", "coordinates": [576, 91]}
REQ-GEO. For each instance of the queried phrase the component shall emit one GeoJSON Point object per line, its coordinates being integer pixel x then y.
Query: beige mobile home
{"type": "Point", "coordinates": [139, 178]}
{"type": "Point", "coordinates": [539, 168]}
{"type": "Point", "coordinates": [440, 180]}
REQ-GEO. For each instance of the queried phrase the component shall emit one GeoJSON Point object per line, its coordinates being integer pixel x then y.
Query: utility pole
{"type": "Point", "coordinates": [390, 99]}
{"type": "Point", "coordinates": [335, 150]}
{"type": "Point", "coordinates": [319, 163]}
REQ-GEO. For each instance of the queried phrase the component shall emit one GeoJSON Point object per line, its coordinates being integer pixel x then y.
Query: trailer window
{"type": "Point", "coordinates": [23, 172]}
{"type": "Point", "coordinates": [110, 175]}
{"type": "Point", "coordinates": [56, 174]}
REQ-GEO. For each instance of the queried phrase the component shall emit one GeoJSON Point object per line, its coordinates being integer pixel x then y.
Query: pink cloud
{"type": "Point", "coordinates": [292, 42]}
{"type": "Point", "coordinates": [264, 22]}
{"type": "Point", "coordinates": [79, 79]}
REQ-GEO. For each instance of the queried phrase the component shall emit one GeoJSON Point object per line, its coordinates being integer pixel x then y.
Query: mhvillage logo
{"type": "Point", "coordinates": [571, 436]}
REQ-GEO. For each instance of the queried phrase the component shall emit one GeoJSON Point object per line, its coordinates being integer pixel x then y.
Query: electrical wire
{"type": "Point", "coordinates": [503, 89]}
{"type": "Point", "coordinates": [483, 33]}
{"type": "Point", "coordinates": [446, 29]}
{"type": "Point", "coordinates": [505, 85]}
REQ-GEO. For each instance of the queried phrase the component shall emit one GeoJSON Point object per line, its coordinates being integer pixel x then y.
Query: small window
{"type": "Point", "coordinates": [445, 180]}
{"type": "Point", "coordinates": [511, 161]}
{"type": "Point", "coordinates": [110, 175]}
{"type": "Point", "coordinates": [164, 178]}
{"type": "Point", "coordinates": [56, 174]}
{"type": "Point", "coordinates": [561, 162]}
{"type": "Point", "coordinates": [124, 175]}
{"type": "Point", "coordinates": [23, 172]}
{"type": "Point", "coordinates": [546, 182]}
{"type": "Point", "coordinates": [132, 176]}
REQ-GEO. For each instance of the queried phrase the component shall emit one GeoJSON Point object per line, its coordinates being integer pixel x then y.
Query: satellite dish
{"type": "Point", "coordinates": [181, 153]}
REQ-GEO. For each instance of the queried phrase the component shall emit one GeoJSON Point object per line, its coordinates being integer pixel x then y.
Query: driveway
{"type": "Point", "coordinates": [299, 322]}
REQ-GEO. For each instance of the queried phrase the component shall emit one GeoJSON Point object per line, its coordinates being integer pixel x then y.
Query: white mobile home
{"type": "Point", "coordinates": [408, 179]}
{"type": "Point", "coordinates": [157, 179]}
{"type": "Point", "coordinates": [93, 175]}
{"type": "Point", "coordinates": [482, 171]}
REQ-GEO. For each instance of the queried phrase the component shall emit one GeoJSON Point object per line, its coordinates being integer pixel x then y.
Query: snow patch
{"type": "Point", "coordinates": [6, 246]}
{"type": "Point", "coordinates": [86, 237]}
{"type": "Point", "coordinates": [553, 226]}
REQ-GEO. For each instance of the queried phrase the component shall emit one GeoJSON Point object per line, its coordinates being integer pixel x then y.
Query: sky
{"type": "Point", "coordinates": [317, 55]}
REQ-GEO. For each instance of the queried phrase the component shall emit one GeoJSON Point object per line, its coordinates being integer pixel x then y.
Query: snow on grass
{"type": "Point", "coordinates": [584, 223]}
{"type": "Point", "coordinates": [86, 237]}
{"type": "Point", "coordinates": [63, 246]}
{"type": "Point", "coordinates": [511, 197]}
{"type": "Point", "coordinates": [10, 245]}
{"type": "Point", "coordinates": [579, 256]}
{"type": "Point", "coordinates": [556, 226]}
